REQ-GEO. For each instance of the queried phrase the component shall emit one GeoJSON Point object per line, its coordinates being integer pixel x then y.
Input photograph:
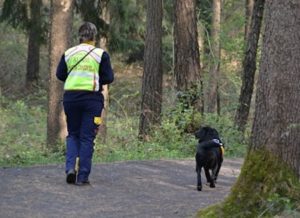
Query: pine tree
{"type": "Point", "coordinates": [152, 76]}
{"type": "Point", "coordinates": [61, 18]}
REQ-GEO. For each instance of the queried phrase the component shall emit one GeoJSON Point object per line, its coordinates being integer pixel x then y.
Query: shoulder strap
{"type": "Point", "coordinates": [80, 60]}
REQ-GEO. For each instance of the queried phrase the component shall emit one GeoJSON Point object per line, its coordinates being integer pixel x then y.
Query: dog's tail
{"type": "Point", "coordinates": [222, 150]}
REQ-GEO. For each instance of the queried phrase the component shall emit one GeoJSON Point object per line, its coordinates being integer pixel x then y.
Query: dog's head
{"type": "Point", "coordinates": [206, 133]}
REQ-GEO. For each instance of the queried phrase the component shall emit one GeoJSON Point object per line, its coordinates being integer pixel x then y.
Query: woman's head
{"type": "Point", "coordinates": [87, 32]}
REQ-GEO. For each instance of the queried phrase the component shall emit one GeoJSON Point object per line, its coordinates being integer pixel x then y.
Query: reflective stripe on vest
{"type": "Point", "coordinates": [85, 76]}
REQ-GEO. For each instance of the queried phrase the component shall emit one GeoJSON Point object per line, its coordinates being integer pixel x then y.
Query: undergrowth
{"type": "Point", "coordinates": [22, 131]}
{"type": "Point", "coordinates": [23, 123]}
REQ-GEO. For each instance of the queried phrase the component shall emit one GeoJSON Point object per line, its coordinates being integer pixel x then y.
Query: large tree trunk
{"type": "Point", "coordinates": [153, 75]}
{"type": "Point", "coordinates": [269, 179]}
{"type": "Point", "coordinates": [186, 52]}
{"type": "Point", "coordinates": [34, 42]}
{"type": "Point", "coordinates": [213, 99]}
{"type": "Point", "coordinates": [61, 23]}
{"type": "Point", "coordinates": [249, 66]}
{"type": "Point", "coordinates": [277, 115]}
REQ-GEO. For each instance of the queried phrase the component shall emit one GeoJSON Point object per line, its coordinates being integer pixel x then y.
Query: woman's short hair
{"type": "Point", "coordinates": [87, 32]}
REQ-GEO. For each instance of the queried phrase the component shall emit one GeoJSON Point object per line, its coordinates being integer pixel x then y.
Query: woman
{"type": "Point", "coordinates": [83, 69]}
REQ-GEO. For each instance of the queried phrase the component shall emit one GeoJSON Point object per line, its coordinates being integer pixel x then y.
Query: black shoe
{"type": "Point", "coordinates": [71, 177]}
{"type": "Point", "coordinates": [83, 183]}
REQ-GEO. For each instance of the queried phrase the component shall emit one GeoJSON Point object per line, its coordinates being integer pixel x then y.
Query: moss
{"type": "Point", "coordinates": [265, 187]}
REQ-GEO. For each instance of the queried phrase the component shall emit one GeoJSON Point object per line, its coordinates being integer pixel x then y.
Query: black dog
{"type": "Point", "coordinates": [209, 155]}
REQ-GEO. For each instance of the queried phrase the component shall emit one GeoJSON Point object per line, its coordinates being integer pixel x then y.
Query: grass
{"type": "Point", "coordinates": [22, 132]}
{"type": "Point", "coordinates": [123, 144]}
{"type": "Point", "coordinates": [23, 123]}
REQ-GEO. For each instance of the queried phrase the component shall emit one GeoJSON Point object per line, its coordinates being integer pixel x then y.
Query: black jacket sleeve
{"type": "Point", "coordinates": [62, 70]}
{"type": "Point", "coordinates": [105, 71]}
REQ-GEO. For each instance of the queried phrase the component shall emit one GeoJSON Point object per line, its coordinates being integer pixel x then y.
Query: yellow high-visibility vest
{"type": "Point", "coordinates": [85, 75]}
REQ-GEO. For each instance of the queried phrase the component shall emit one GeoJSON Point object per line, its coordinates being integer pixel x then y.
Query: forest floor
{"type": "Point", "coordinates": [162, 188]}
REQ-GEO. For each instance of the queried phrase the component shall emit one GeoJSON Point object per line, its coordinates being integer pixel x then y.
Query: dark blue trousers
{"type": "Point", "coordinates": [82, 131]}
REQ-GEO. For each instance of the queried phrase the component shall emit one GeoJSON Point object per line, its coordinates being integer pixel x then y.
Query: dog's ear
{"type": "Point", "coordinates": [197, 134]}
{"type": "Point", "coordinates": [200, 134]}
{"type": "Point", "coordinates": [215, 133]}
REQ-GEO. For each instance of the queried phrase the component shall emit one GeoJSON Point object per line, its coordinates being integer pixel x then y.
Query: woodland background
{"type": "Point", "coordinates": [24, 105]}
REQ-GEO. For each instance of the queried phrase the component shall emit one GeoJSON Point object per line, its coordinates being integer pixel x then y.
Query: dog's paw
{"type": "Point", "coordinates": [199, 188]}
{"type": "Point", "coordinates": [212, 185]}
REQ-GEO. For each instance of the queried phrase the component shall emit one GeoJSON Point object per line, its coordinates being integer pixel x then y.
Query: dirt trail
{"type": "Point", "coordinates": [142, 189]}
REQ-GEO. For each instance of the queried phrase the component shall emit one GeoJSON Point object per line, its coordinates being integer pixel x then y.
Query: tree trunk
{"type": "Point", "coordinates": [269, 180]}
{"type": "Point", "coordinates": [105, 16]}
{"type": "Point", "coordinates": [34, 42]}
{"type": "Point", "coordinates": [249, 66]}
{"type": "Point", "coordinates": [103, 127]}
{"type": "Point", "coordinates": [60, 31]}
{"type": "Point", "coordinates": [248, 15]}
{"type": "Point", "coordinates": [277, 116]}
{"type": "Point", "coordinates": [213, 104]}
{"type": "Point", "coordinates": [153, 75]}
{"type": "Point", "coordinates": [186, 52]}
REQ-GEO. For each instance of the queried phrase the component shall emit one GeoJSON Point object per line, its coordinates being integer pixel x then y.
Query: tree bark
{"type": "Point", "coordinates": [105, 16]}
{"type": "Point", "coordinates": [153, 75]}
{"type": "Point", "coordinates": [277, 116]}
{"type": "Point", "coordinates": [213, 103]}
{"type": "Point", "coordinates": [60, 31]}
{"type": "Point", "coordinates": [34, 42]}
{"type": "Point", "coordinates": [103, 127]}
{"type": "Point", "coordinates": [248, 15]}
{"type": "Point", "coordinates": [249, 66]}
{"type": "Point", "coordinates": [186, 52]}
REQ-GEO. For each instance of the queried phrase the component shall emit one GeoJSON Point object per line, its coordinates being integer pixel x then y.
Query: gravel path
{"type": "Point", "coordinates": [142, 189]}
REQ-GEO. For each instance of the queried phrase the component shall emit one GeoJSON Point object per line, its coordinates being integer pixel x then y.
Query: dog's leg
{"type": "Point", "coordinates": [199, 183]}
{"type": "Point", "coordinates": [209, 178]}
{"type": "Point", "coordinates": [218, 167]}
{"type": "Point", "coordinates": [207, 175]}
{"type": "Point", "coordinates": [217, 172]}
